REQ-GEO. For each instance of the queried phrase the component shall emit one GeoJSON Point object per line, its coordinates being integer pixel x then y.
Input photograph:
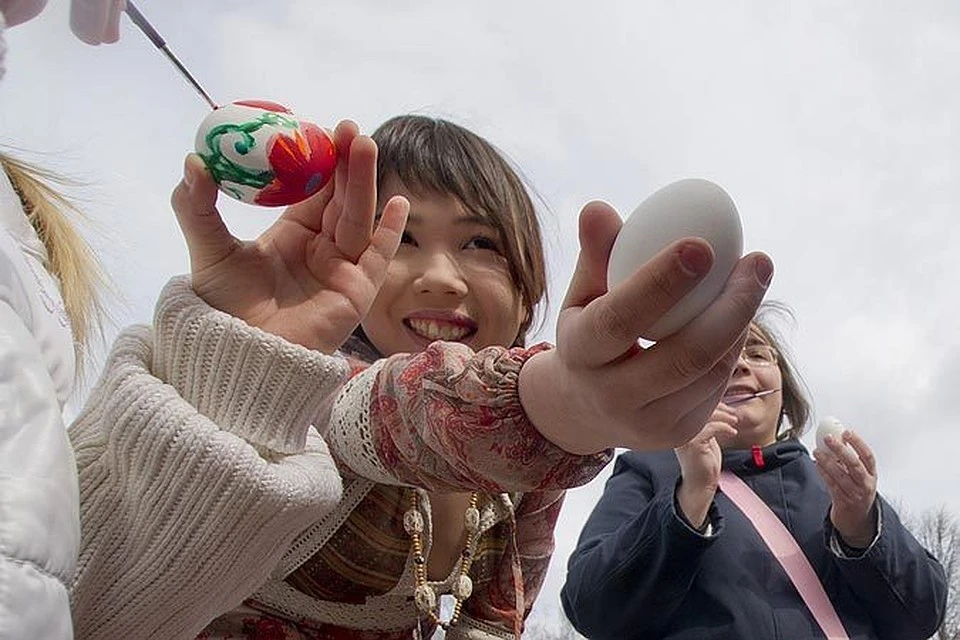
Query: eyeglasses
{"type": "Point", "coordinates": [759, 355]}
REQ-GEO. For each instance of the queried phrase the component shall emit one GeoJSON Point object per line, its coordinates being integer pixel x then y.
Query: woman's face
{"type": "Point", "coordinates": [449, 281]}
{"type": "Point", "coordinates": [757, 370]}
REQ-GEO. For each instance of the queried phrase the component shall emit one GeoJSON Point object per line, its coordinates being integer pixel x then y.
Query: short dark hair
{"type": "Point", "coordinates": [432, 155]}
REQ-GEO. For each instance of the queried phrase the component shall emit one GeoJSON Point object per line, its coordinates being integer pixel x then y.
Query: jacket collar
{"type": "Point", "coordinates": [743, 461]}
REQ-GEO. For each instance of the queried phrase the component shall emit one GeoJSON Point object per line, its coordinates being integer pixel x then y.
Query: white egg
{"type": "Point", "coordinates": [830, 426]}
{"type": "Point", "coordinates": [687, 208]}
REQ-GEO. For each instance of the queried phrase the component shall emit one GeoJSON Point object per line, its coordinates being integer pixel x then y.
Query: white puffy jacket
{"type": "Point", "coordinates": [39, 500]}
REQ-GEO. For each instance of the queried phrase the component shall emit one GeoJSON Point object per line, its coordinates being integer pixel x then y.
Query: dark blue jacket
{"type": "Point", "coordinates": [639, 571]}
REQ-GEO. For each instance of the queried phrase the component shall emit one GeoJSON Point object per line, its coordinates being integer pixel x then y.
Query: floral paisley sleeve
{"type": "Point", "coordinates": [450, 419]}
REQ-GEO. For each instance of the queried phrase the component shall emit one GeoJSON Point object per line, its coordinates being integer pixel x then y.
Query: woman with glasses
{"type": "Point", "coordinates": [667, 554]}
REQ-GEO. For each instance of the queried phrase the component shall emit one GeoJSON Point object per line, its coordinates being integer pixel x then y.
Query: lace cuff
{"type": "Point", "coordinates": [449, 419]}
{"type": "Point", "coordinates": [251, 383]}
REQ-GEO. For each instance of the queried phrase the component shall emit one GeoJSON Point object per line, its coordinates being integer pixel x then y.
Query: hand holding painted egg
{"type": "Point", "coordinates": [688, 208]}
{"type": "Point", "coordinates": [260, 153]}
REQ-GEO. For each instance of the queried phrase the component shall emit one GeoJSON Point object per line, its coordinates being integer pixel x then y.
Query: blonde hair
{"type": "Point", "coordinates": [69, 258]}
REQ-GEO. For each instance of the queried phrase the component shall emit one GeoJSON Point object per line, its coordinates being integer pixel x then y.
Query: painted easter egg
{"type": "Point", "coordinates": [261, 153]}
{"type": "Point", "coordinates": [687, 208]}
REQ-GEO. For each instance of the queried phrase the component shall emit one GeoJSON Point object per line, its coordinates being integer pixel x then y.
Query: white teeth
{"type": "Point", "coordinates": [432, 330]}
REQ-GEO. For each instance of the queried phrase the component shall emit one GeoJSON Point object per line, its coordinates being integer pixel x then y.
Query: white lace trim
{"type": "Point", "coordinates": [350, 434]}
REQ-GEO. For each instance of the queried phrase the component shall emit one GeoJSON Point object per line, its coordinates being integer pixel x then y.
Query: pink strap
{"type": "Point", "coordinates": [787, 552]}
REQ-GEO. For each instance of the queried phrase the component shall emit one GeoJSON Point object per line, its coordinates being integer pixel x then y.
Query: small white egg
{"type": "Point", "coordinates": [830, 426]}
{"type": "Point", "coordinates": [687, 208]}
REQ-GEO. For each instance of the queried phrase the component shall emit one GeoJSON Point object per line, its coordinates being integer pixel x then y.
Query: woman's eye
{"type": "Point", "coordinates": [483, 242]}
{"type": "Point", "coordinates": [406, 238]}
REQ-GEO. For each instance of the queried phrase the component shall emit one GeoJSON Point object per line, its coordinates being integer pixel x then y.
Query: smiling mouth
{"type": "Point", "coordinates": [433, 330]}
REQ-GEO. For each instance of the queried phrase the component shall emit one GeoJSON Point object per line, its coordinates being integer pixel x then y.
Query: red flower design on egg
{"type": "Point", "coordinates": [266, 105]}
{"type": "Point", "coordinates": [302, 163]}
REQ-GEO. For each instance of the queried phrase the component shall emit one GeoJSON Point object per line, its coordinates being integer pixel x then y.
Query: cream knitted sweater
{"type": "Point", "coordinates": [187, 405]}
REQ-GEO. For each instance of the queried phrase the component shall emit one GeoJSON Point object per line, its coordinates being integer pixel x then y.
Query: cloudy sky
{"type": "Point", "coordinates": [833, 125]}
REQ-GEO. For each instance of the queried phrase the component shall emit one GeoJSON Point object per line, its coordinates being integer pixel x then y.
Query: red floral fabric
{"type": "Point", "coordinates": [445, 420]}
{"type": "Point", "coordinates": [450, 419]}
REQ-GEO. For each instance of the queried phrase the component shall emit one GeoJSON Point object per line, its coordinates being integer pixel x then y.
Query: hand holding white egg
{"type": "Point", "coordinates": [687, 208]}
{"type": "Point", "coordinates": [848, 469]}
{"type": "Point", "coordinates": [830, 426]}
{"type": "Point", "coordinates": [261, 153]}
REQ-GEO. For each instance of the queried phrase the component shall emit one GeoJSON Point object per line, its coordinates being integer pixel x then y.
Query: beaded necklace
{"type": "Point", "coordinates": [424, 595]}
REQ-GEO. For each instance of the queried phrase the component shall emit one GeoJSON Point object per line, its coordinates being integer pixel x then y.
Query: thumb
{"type": "Point", "coordinates": [194, 201]}
{"type": "Point", "coordinates": [599, 226]}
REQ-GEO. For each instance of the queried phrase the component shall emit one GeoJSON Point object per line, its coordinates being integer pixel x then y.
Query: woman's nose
{"type": "Point", "coordinates": [441, 274]}
{"type": "Point", "coordinates": [741, 366]}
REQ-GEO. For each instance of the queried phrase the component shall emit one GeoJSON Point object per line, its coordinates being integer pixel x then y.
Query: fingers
{"type": "Point", "coordinates": [15, 13]}
{"type": "Point", "coordinates": [599, 225]}
{"type": "Point", "coordinates": [717, 428]}
{"type": "Point", "coordinates": [845, 473]}
{"type": "Point", "coordinates": [702, 396]}
{"type": "Point", "coordinates": [386, 239]}
{"type": "Point", "coordinates": [724, 413]}
{"type": "Point", "coordinates": [321, 211]}
{"type": "Point", "coordinates": [111, 31]}
{"type": "Point", "coordinates": [715, 335]}
{"type": "Point", "coordinates": [194, 201]}
{"type": "Point", "coordinates": [355, 222]}
{"type": "Point", "coordinates": [96, 21]}
{"type": "Point", "coordinates": [609, 326]}
{"type": "Point", "coordinates": [863, 450]}
{"type": "Point", "coordinates": [343, 136]}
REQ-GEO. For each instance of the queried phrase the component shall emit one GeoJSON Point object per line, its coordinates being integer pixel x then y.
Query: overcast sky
{"type": "Point", "coordinates": [833, 125]}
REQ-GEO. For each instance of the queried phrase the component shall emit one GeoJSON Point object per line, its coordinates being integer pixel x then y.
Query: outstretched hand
{"type": "Point", "coordinates": [849, 469]}
{"type": "Point", "coordinates": [599, 389]}
{"type": "Point", "coordinates": [311, 276]}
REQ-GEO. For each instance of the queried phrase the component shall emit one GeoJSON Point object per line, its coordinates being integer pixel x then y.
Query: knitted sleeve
{"type": "Point", "coordinates": [198, 466]}
{"type": "Point", "coordinates": [450, 419]}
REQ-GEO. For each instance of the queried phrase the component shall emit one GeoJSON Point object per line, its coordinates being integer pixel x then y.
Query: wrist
{"type": "Point", "coordinates": [542, 396]}
{"type": "Point", "coordinates": [859, 535]}
{"type": "Point", "coordinates": [694, 503]}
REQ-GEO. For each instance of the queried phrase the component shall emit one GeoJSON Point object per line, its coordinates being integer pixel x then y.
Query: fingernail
{"type": "Point", "coordinates": [188, 174]}
{"type": "Point", "coordinates": [764, 268]}
{"type": "Point", "coordinates": [695, 259]}
{"type": "Point", "coordinates": [191, 169]}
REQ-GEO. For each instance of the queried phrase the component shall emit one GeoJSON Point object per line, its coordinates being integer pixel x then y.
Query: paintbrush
{"type": "Point", "coordinates": [148, 30]}
{"type": "Point", "coordinates": [746, 398]}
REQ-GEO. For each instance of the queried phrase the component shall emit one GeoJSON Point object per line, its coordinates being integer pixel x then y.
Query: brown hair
{"type": "Point", "coordinates": [795, 405]}
{"type": "Point", "coordinates": [435, 155]}
{"type": "Point", "coordinates": [69, 258]}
